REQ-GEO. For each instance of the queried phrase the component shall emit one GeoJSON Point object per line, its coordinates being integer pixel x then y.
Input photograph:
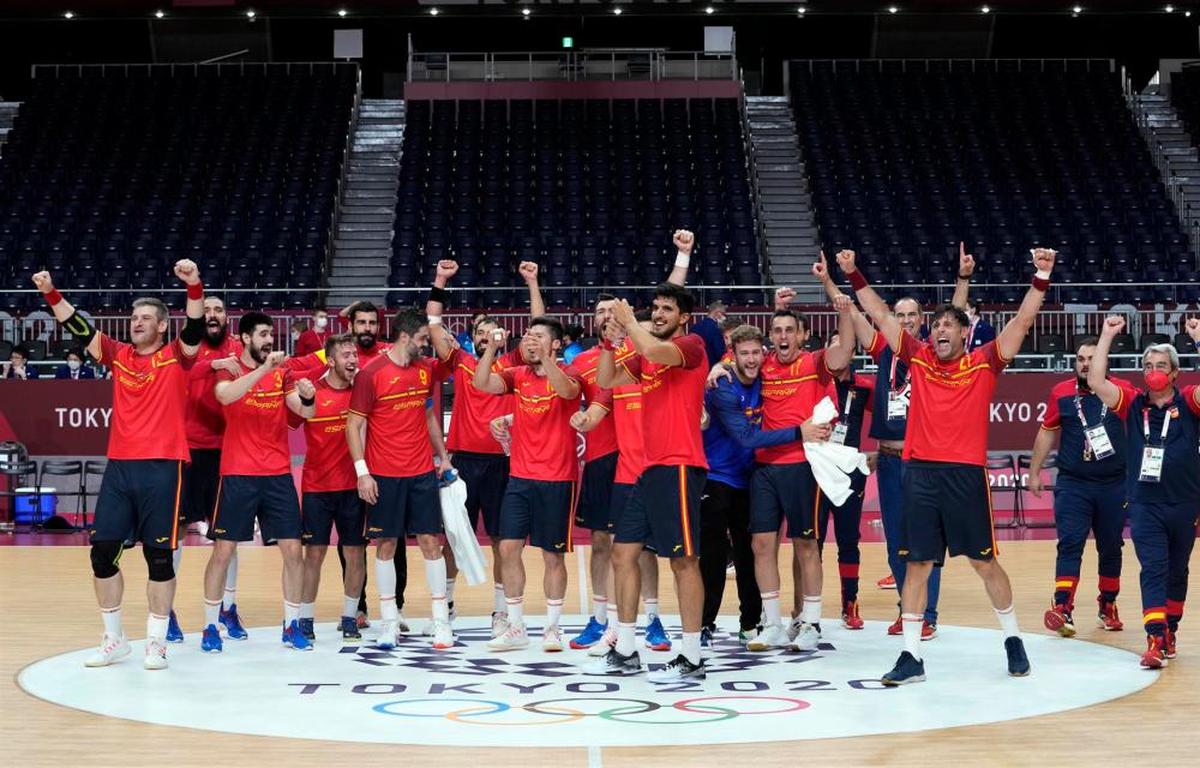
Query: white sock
{"type": "Point", "coordinates": [385, 582]}
{"type": "Point", "coordinates": [212, 611]}
{"type": "Point", "coordinates": [625, 637]}
{"type": "Point", "coordinates": [553, 611]}
{"type": "Point", "coordinates": [441, 610]}
{"type": "Point", "coordinates": [498, 604]}
{"type": "Point", "coordinates": [516, 610]}
{"type": "Point", "coordinates": [610, 617]}
{"type": "Point", "coordinates": [291, 612]}
{"type": "Point", "coordinates": [308, 610]}
{"type": "Point", "coordinates": [349, 606]}
{"type": "Point", "coordinates": [651, 608]}
{"type": "Point", "coordinates": [1008, 621]}
{"type": "Point", "coordinates": [435, 577]}
{"type": "Point", "coordinates": [912, 623]}
{"type": "Point", "coordinates": [112, 621]}
{"type": "Point", "coordinates": [770, 601]}
{"type": "Point", "coordinates": [156, 628]}
{"type": "Point", "coordinates": [600, 608]}
{"type": "Point", "coordinates": [690, 648]}
{"type": "Point", "coordinates": [177, 558]}
{"type": "Point", "coordinates": [811, 612]}
{"type": "Point", "coordinates": [450, 588]}
{"type": "Point", "coordinates": [230, 583]}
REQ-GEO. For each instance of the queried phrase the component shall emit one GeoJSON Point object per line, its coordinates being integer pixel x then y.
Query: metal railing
{"type": "Point", "coordinates": [644, 64]}
{"type": "Point", "coordinates": [240, 67]}
{"type": "Point", "coordinates": [952, 65]}
{"type": "Point", "coordinates": [760, 229]}
{"type": "Point", "coordinates": [335, 219]}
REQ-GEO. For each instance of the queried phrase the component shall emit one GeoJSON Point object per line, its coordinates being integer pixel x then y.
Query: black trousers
{"type": "Point", "coordinates": [725, 524]}
{"type": "Point", "coordinates": [401, 562]}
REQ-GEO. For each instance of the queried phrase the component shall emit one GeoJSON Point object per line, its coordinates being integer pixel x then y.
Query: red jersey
{"type": "Point", "coordinates": [473, 409]}
{"type": "Point", "coordinates": [602, 440]}
{"type": "Point", "coordinates": [392, 399]}
{"type": "Point", "coordinates": [543, 440]}
{"type": "Point", "coordinates": [256, 439]}
{"type": "Point", "coordinates": [312, 365]}
{"type": "Point", "coordinates": [327, 465]}
{"type": "Point", "coordinates": [672, 404]}
{"type": "Point", "coordinates": [790, 391]}
{"type": "Point", "coordinates": [205, 419]}
{"type": "Point", "coordinates": [948, 415]}
{"type": "Point", "coordinates": [311, 341]}
{"type": "Point", "coordinates": [627, 419]}
{"type": "Point", "coordinates": [149, 400]}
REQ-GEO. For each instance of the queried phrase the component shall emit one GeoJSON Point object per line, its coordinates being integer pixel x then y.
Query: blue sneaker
{"type": "Point", "coordinates": [174, 633]}
{"type": "Point", "coordinates": [293, 636]}
{"type": "Point", "coordinates": [210, 641]}
{"type": "Point", "coordinates": [590, 635]}
{"type": "Point", "coordinates": [907, 670]}
{"type": "Point", "coordinates": [706, 638]}
{"type": "Point", "coordinates": [233, 623]}
{"type": "Point", "coordinates": [656, 636]}
{"type": "Point", "coordinates": [349, 627]}
{"type": "Point", "coordinates": [306, 628]}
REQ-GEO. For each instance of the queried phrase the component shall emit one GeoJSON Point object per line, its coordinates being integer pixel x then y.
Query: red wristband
{"type": "Point", "coordinates": [195, 291]}
{"type": "Point", "coordinates": [53, 297]}
{"type": "Point", "coordinates": [858, 281]}
{"type": "Point", "coordinates": [1041, 283]}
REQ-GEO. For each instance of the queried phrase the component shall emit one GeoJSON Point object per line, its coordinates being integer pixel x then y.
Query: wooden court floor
{"type": "Point", "coordinates": [47, 607]}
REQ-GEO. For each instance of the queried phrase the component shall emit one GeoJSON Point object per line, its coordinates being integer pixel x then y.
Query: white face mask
{"type": "Point", "coordinates": [74, 365]}
{"type": "Point", "coordinates": [295, 336]}
{"type": "Point", "coordinates": [321, 323]}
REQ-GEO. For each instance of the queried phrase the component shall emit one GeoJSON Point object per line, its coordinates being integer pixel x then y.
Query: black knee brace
{"type": "Point", "coordinates": [159, 562]}
{"type": "Point", "coordinates": [105, 557]}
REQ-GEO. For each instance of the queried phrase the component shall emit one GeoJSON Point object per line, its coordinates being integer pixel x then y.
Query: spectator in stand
{"type": "Point", "coordinates": [572, 342]}
{"type": "Point", "coordinates": [313, 338]}
{"type": "Point", "coordinates": [980, 331]}
{"type": "Point", "coordinates": [18, 366]}
{"type": "Point", "coordinates": [75, 367]}
{"type": "Point", "coordinates": [466, 337]}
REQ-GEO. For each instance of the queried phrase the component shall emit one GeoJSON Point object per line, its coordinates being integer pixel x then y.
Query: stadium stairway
{"type": "Point", "coordinates": [784, 204]}
{"type": "Point", "coordinates": [8, 113]}
{"type": "Point", "coordinates": [1176, 156]}
{"type": "Point", "coordinates": [367, 211]}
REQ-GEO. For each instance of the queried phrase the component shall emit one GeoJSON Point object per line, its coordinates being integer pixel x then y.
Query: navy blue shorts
{"type": "Point", "coordinates": [200, 481]}
{"type": "Point", "coordinates": [664, 511]}
{"type": "Point", "coordinates": [622, 493]}
{"type": "Point", "coordinates": [323, 510]}
{"type": "Point", "coordinates": [486, 478]}
{"type": "Point", "coordinates": [139, 501]}
{"type": "Point", "coordinates": [781, 492]}
{"type": "Point", "coordinates": [543, 510]}
{"type": "Point", "coordinates": [406, 506]}
{"type": "Point", "coordinates": [242, 498]}
{"type": "Point", "coordinates": [595, 493]}
{"type": "Point", "coordinates": [946, 507]}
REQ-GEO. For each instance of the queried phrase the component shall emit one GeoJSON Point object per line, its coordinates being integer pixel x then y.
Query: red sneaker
{"type": "Point", "coordinates": [361, 620]}
{"type": "Point", "coordinates": [1155, 656]}
{"type": "Point", "coordinates": [887, 582]}
{"type": "Point", "coordinates": [1108, 619]}
{"type": "Point", "coordinates": [1058, 619]}
{"type": "Point", "coordinates": [928, 631]}
{"type": "Point", "coordinates": [850, 617]}
{"type": "Point", "coordinates": [1169, 644]}
{"type": "Point", "coordinates": [897, 627]}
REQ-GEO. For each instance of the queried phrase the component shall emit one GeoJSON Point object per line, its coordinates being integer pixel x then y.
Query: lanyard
{"type": "Point", "coordinates": [1079, 411]}
{"type": "Point", "coordinates": [849, 401]}
{"type": "Point", "coordinates": [971, 334]}
{"type": "Point", "coordinates": [1146, 425]}
{"type": "Point", "coordinates": [892, 378]}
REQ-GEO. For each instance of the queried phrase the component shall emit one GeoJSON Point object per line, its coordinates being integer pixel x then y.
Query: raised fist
{"type": "Point", "coordinates": [275, 359]}
{"type": "Point", "coordinates": [529, 271]}
{"type": "Point", "coordinates": [187, 271]}
{"type": "Point", "coordinates": [43, 282]}
{"type": "Point", "coordinates": [446, 269]}
{"type": "Point", "coordinates": [784, 296]}
{"type": "Point", "coordinates": [1113, 324]}
{"type": "Point", "coordinates": [845, 260]}
{"type": "Point", "coordinates": [684, 241]}
{"type": "Point", "coordinates": [820, 268]}
{"type": "Point", "coordinates": [966, 262]}
{"type": "Point", "coordinates": [842, 303]}
{"type": "Point", "coordinates": [1043, 258]}
{"type": "Point", "coordinates": [305, 389]}
{"type": "Point", "coordinates": [1193, 328]}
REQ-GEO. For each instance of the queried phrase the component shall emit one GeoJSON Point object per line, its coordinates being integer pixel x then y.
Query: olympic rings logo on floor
{"type": "Point", "coordinates": [553, 711]}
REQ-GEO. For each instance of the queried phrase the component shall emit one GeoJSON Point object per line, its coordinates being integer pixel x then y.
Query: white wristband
{"type": "Point", "coordinates": [435, 319]}
{"type": "Point", "coordinates": [1044, 274]}
{"type": "Point", "coordinates": [360, 468]}
{"type": "Point", "coordinates": [682, 259]}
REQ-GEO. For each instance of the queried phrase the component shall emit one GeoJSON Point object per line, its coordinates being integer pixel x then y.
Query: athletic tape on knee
{"type": "Point", "coordinates": [105, 557]}
{"type": "Point", "coordinates": [159, 563]}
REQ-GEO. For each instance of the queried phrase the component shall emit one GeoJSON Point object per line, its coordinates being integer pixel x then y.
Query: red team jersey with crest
{"type": "Point", "coordinates": [543, 440]}
{"type": "Point", "coordinates": [327, 464]}
{"type": "Point", "coordinates": [790, 391]}
{"type": "Point", "coordinates": [205, 417]}
{"type": "Point", "coordinates": [256, 441]}
{"type": "Point", "coordinates": [948, 416]}
{"type": "Point", "coordinates": [672, 404]}
{"type": "Point", "coordinates": [149, 400]}
{"type": "Point", "coordinates": [631, 441]}
{"type": "Point", "coordinates": [602, 440]}
{"type": "Point", "coordinates": [473, 410]}
{"type": "Point", "coordinates": [392, 399]}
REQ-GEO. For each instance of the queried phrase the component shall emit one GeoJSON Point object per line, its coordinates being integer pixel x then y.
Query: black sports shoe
{"type": "Point", "coordinates": [613, 663]}
{"type": "Point", "coordinates": [908, 669]}
{"type": "Point", "coordinates": [349, 627]}
{"type": "Point", "coordinates": [678, 670]}
{"type": "Point", "coordinates": [1018, 662]}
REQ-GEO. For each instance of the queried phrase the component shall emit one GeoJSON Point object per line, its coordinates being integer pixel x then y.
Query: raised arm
{"type": "Point", "coordinates": [875, 307]}
{"type": "Point", "coordinates": [1008, 343]}
{"type": "Point", "coordinates": [1109, 393]}
{"type": "Point", "coordinates": [566, 387]}
{"type": "Point", "coordinates": [529, 273]}
{"type": "Point", "coordinates": [648, 345]}
{"type": "Point", "coordinates": [67, 317]}
{"type": "Point", "coordinates": [485, 380]}
{"type": "Point", "coordinates": [608, 375]}
{"type": "Point", "coordinates": [193, 329]}
{"type": "Point", "coordinates": [302, 401]}
{"type": "Point", "coordinates": [685, 242]}
{"type": "Point", "coordinates": [962, 283]}
{"type": "Point", "coordinates": [838, 356]}
{"type": "Point", "coordinates": [442, 340]}
{"type": "Point", "coordinates": [228, 392]}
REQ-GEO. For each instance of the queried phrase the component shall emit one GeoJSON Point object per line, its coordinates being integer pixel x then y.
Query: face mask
{"type": "Point", "coordinates": [295, 336]}
{"type": "Point", "coordinates": [74, 365]}
{"type": "Point", "coordinates": [1157, 381]}
{"type": "Point", "coordinates": [321, 323]}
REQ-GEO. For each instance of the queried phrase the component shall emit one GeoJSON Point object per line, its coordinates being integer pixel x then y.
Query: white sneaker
{"type": "Point", "coordinates": [606, 643]}
{"type": "Point", "coordinates": [156, 655]}
{"type": "Point", "coordinates": [513, 638]}
{"type": "Point", "coordinates": [111, 649]}
{"type": "Point", "coordinates": [499, 624]}
{"type": "Point", "coordinates": [443, 636]}
{"type": "Point", "coordinates": [773, 636]}
{"type": "Point", "coordinates": [808, 638]}
{"type": "Point", "coordinates": [402, 625]}
{"type": "Point", "coordinates": [552, 639]}
{"type": "Point", "coordinates": [389, 631]}
{"type": "Point", "coordinates": [793, 629]}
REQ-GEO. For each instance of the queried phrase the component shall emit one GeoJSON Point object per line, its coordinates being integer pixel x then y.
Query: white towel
{"type": "Point", "coordinates": [832, 464]}
{"type": "Point", "coordinates": [468, 555]}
